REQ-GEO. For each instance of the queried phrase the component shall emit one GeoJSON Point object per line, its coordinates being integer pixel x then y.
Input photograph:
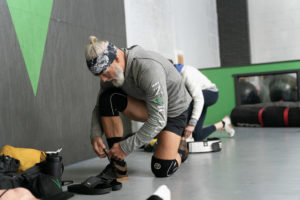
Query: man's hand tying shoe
{"type": "Point", "coordinates": [116, 152]}
{"type": "Point", "coordinates": [98, 146]}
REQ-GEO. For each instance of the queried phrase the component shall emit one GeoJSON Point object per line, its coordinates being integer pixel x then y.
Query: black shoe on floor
{"type": "Point", "coordinates": [115, 170]}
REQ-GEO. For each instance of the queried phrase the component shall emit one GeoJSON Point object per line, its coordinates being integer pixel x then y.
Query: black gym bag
{"type": "Point", "coordinates": [43, 179]}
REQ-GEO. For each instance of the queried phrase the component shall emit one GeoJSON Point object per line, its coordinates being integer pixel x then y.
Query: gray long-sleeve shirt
{"type": "Point", "coordinates": [153, 79]}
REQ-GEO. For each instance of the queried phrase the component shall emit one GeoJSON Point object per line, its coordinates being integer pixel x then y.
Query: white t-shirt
{"type": "Point", "coordinates": [195, 82]}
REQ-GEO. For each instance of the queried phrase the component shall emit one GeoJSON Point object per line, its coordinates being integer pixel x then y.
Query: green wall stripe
{"type": "Point", "coordinates": [31, 19]}
{"type": "Point", "coordinates": [224, 80]}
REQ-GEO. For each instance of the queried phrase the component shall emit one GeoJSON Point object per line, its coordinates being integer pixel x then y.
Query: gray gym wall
{"type": "Point", "coordinates": [274, 27]}
{"type": "Point", "coordinates": [196, 32]}
{"type": "Point", "coordinates": [171, 25]}
{"type": "Point", "coordinates": [59, 114]}
{"type": "Point", "coordinates": [150, 25]}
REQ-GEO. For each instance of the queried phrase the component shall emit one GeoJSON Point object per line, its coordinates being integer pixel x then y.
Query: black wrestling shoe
{"type": "Point", "coordinates": [115, 170]}
{"type": "Point", "coordinates": [105, 182]}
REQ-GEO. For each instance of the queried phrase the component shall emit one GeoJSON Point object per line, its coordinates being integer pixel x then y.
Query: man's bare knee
{"type": "Point", "coordinates": [168, 144]}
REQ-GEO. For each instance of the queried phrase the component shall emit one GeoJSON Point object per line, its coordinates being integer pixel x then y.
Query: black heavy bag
{"type": "Point", "coordinates": [294, 117]}
{"type": "Point", "coordinates": [273, 117]}
{"type": "Point", "coordinates": [270, 116]}
{"type": "Point", "coordinates": [245, 115]}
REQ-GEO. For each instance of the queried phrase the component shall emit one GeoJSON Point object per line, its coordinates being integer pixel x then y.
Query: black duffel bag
{"type": "Point", "coordinates": [43, 179]}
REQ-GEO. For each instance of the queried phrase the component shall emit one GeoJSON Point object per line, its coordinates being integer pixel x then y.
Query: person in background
{"type": "Point", "coordinates": [204, 94]}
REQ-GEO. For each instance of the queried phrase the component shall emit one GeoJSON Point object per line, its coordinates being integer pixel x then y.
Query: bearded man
{"type": "Point", "coordinates": [145, 87]}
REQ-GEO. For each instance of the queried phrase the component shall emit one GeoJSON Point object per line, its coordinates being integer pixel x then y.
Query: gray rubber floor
{"type": "Point", "coordinates": [258, 163]}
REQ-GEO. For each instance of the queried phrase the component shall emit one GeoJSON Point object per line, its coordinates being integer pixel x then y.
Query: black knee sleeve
{"type": "Point", "coordinates": [163, 168]}
{"type": "Point", "coordinates": [112, 101]}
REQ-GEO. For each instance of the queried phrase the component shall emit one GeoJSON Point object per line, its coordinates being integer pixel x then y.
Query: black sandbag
{"type": "Point", "coordinates": [270, 116]}
{"type": "Point", "coordinates": [294, 117]}
{"type": "Point", "coordinates": [245, 116]}
{"type": "Point", "coordinates": [273, 116]}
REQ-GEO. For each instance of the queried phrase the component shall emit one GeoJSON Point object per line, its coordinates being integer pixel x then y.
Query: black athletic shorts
{"type": "Point", "coordinates": [177, 124]}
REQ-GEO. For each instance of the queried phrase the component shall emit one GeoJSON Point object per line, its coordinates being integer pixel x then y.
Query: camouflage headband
{"type": "Point", "coordinates": [99, 64]}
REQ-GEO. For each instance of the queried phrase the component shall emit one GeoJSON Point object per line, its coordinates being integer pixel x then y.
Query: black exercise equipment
{"type": "Point", "coordinates": [280, 114]}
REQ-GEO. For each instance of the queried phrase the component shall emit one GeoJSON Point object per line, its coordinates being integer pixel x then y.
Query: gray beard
{"type": "Point", "coordinates": [119, 80]}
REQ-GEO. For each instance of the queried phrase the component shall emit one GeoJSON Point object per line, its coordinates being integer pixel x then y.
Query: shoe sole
{"type": "Point", "coordinates": [116, 186]}
{"type": "Point", "coordinates": [80, 189]}
{"type": "Point", "coordinates": [123, 179]}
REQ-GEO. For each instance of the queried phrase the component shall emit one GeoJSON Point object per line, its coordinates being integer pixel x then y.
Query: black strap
{"type": "Point", "coordinates": [3, 193]}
